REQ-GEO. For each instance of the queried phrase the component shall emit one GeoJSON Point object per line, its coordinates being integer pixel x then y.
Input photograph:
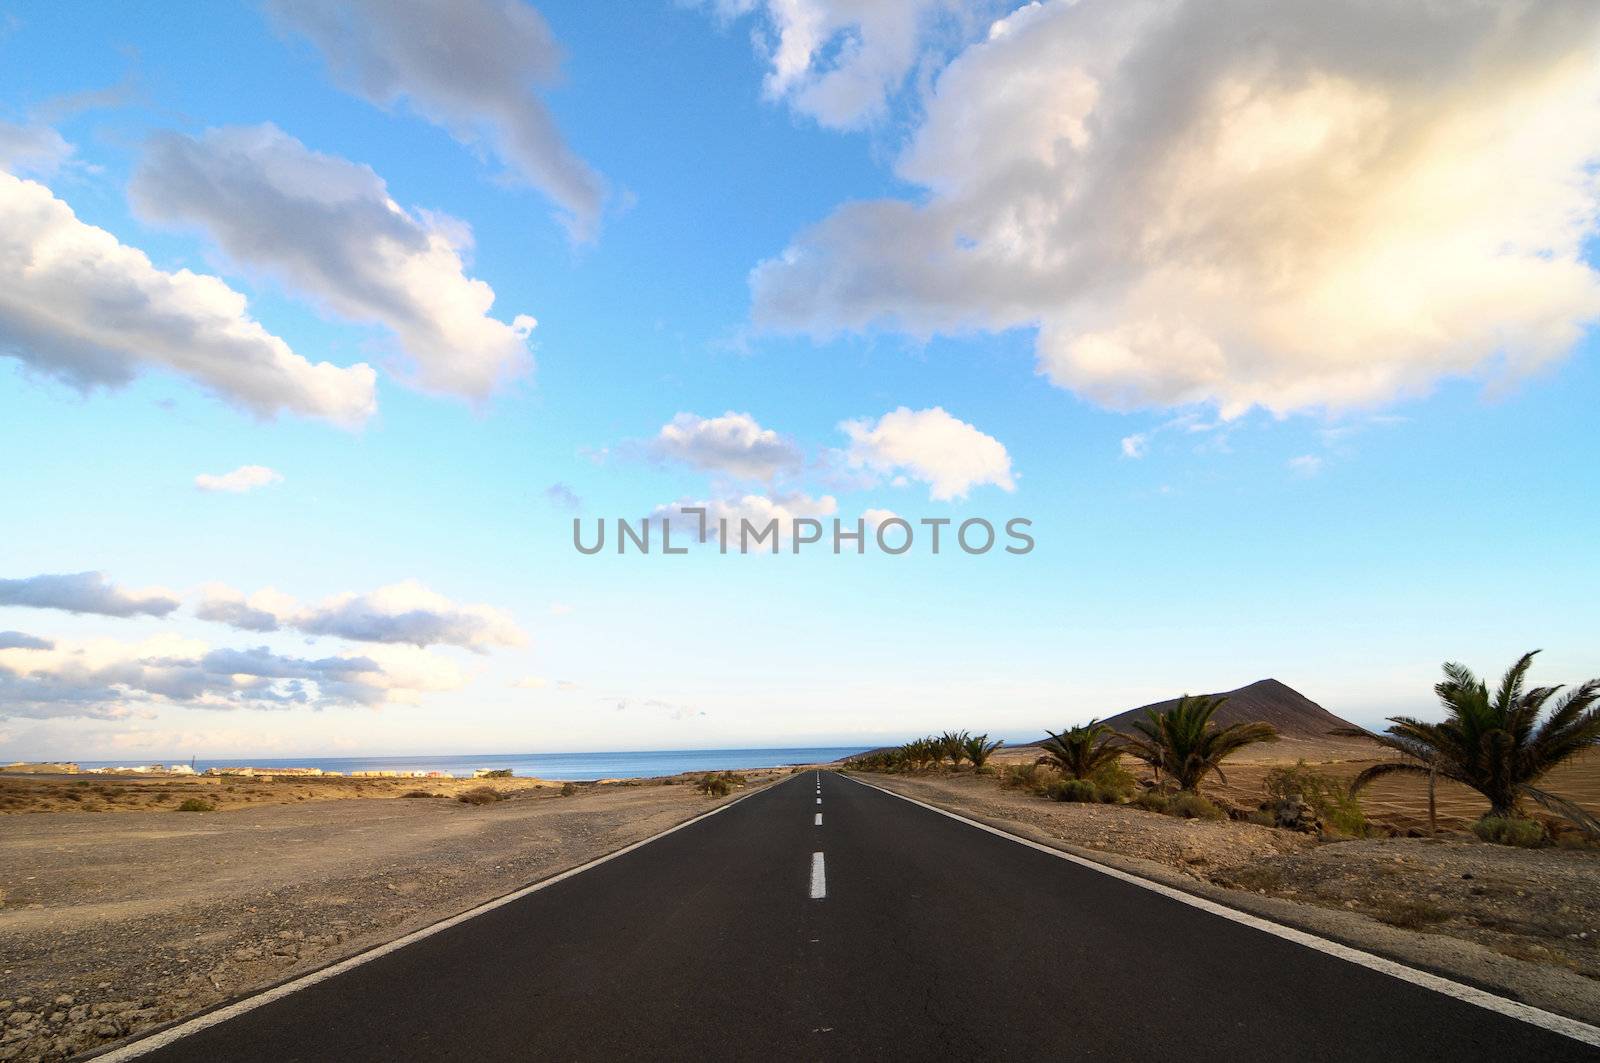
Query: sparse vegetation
{"type": "Point", "coordinates": [481, 795]}
{"type": "Point", "coordinates": [1186, 745]}
{"type": "Point", "coordinates": [1411, 914]}
{"type": "Point", "coordinates": [1330, 799]}
{"type": "Point", "coordinates": [569, 789]}
{"type": "Point", "coordinates": [1189, 805]}
{"type": "Point", "coordinates": [1511, 830]}
{"type": "Point", "coordinates": [420, 793]}
{"type": "Point", "coordinates": [1495, 743]}
{"type": "Point", "coordinates": [196, 804]}
{"type": "Point", "coordinates": [720, 783]}
{"type": "Point", "coordinates": [497, 773]}
{"type": "Point", "coordinates": [1080, 790]}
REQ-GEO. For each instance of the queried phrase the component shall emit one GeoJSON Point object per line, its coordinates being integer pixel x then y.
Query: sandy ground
{"type": "Point", "coordinates": [1524, 921]}
{"type": "Point", "coordinates": [24, 793]}
{"type": "Point", "coordinates": [113, 924]}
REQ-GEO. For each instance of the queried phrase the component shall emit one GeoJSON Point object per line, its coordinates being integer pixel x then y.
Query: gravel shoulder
{"type": "Point", "coordinates": [1522, 923]}
{"type": "Point", "coordinates": [113, 924]}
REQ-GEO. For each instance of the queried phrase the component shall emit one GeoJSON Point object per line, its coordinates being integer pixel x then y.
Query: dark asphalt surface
{"type": "Point", "coordinates": [935, 941]}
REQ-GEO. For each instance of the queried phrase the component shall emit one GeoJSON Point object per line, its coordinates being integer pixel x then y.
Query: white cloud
{"type": "Point", "coordinates": [327, 227]}
{"type": "Point", "coordinates": [244, 478]}
{"type": "Point", "coordinates": [1305, 465]}
{"type": "Point", "coordinates": [567, 685]}
{"type": "Point", "coordinates": [400, 613]}
{"type": "Point", "coordinates": [949, 455]}
{"type": "Point", "coordinates": [86, 592]}
{"type": "Point", "coordinates": [17, 640]}
{"type": "Point", "coordinates": [265, 610]}
{"type": "Point", "coordinates": [875, 517]}
{"type": "Point", "coordinates": [1136, 445]}
{"type": "Point", "coordinates": [840, 61]}
{"type": "Point", "coordinates": [109, 679]}
{"type": "Point", "coordinates": [469, 67]}
{"type": "Point", "coordinates": [78, 305]}
{"type": "Point", "coordinates": [734, 444]}
{"type": "Point", "coordinates": [560, 609]}
{"type": "Point", "coordinates": [1233, 203]}
{"type": "Point", "coordinates": [531, 682]}
{"type": "Point", "coordinates": [32, 149]}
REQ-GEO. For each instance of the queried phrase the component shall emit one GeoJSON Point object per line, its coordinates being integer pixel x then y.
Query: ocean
{"type": "Point", "coordinates": [642, 763]}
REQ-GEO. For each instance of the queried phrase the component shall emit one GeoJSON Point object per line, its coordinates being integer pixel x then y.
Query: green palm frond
{"type": "Point", "coordinates": [1495, 745]}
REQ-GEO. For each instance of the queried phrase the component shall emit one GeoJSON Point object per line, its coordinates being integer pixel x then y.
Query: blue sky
{"type": "Point", "coordinates": [1272, 459]}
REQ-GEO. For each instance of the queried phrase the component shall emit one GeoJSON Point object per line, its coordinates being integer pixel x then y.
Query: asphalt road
{"type": "Point", "coordinates": [930, 940]}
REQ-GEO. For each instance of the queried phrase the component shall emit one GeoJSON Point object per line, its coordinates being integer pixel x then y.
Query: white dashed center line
{"type": "Point", "coordinates": [819, 819]}
{"type": "Point", "coordinates": [819, 880]}
{"type": "Point", "coordinates": [819, 800]}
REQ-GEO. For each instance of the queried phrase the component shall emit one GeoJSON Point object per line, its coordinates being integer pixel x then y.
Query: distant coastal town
{"type": "Point", "coordinates": [243, 771]}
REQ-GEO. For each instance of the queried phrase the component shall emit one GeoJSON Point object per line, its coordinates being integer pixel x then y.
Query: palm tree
{"type": "Point", "coordinates": [1492, 744]}
{"type": "Point", "coordinates": [978, 748]}
{"type": "Point", "coordinates": [954, 746]}
{"type": "Point", "coordinates": [1078, 752]}
{"type": "Point", "coordinates": [1185, 743]}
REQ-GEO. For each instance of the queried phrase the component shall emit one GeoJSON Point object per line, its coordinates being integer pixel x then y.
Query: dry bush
{"type": "Point", "coordinates": [481, 795]}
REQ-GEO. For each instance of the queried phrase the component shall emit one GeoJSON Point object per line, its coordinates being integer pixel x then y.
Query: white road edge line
{"type": "Point", "coordinates": [819, 819]}
{"type": "Point", "coordinates": [1573, 1028]}
{"type": "Point", "coordinates": [819, 878]}
{"type": "Point", "coordinates": [162, 1038]}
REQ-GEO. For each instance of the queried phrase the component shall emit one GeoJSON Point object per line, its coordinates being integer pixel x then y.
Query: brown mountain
{"type": "Point", "coordinates": [1291, 712]}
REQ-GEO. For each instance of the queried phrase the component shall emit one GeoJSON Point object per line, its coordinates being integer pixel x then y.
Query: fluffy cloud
{"type": "Point", "coordinates": [1136, 445]}
{"type": "Point", "coordinates": [327, 227]}
{"type": "Point", "coordinates": [85, 592]}
{"type": "Point", "coordinates": [266, 610]}
{"type": "Point", "coordinates": [17, 640]}
{"type": "Point", "coordinates": [401, 613]}
{"type": "Point", "coordinates": [949, 455]}
{"type": "Point", "coordinates": [244, 478]}
{"type": "Point", "coordinates": [78, 305]}
{"type": "Point", "coordinates": [468, 66]}
{"type": "Point", "coordinates": [108, 679]}
{"type": "Point", "coordinates": [733, 444]}
{"type": "Point", "coordinates": [759, 510]}
{"type": "Point", "coordinates": [1237, 203]}
{"type": "Point", "coordinates": [840, 60]}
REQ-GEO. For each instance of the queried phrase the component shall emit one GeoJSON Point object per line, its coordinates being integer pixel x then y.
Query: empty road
{"type": "Point", "coordinates": [821, 919]}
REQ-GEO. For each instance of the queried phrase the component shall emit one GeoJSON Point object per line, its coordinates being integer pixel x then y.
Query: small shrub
{"type": "Point", "coordinates": [1114, 782]}
{"type": "Point", "coordinates": [498, 773]}
{"type": "Point", "coordinates": [481, 795]}
{"type": "Point", "coordinates": [1151, 800]}
{"type": "Point", "coordinates": [714, 785]}
{"type": "Point", "coordinates": [1080, 790]}
{"type": "Point", "coordinates": [1329, 798]}
{"type": "Point", "coordinates": [1193, 806]}
{"type": "Point", "coordinates": [568, 790]}
{"type": "Point", "coordinates": [1504, 830]}
{"type": "Point", "coordinates": [418, 793]}
{"type": "Point", "coordinates": [1021, 777]}
{"type": "Point", "coordinates": [195, 804]}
